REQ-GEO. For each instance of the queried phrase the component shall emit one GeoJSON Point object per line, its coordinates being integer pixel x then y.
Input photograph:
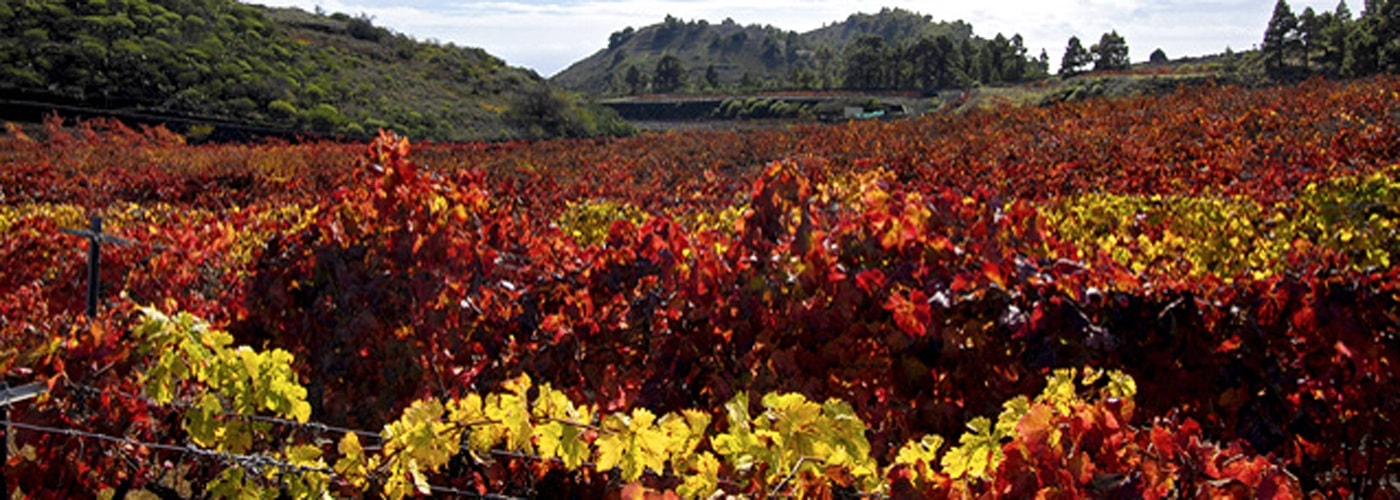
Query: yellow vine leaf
{"type": "Point", "coordinates": [924, 450]}
{"type": "Point", "coordinates": [234, 482]}
{"type": "Point", "coordinates": [684, 431]}
{"type": "Point", "coordinates": [303, 484]}
{"type": "Point", "coordinates": [193, 360]}
{"type": "Point", "coordinates": [794, 434]}
{"type": "Point", "coordinates": [698, 421]}
{"type": "Point", "coordinates": [978, 452]}
{"type": "Point", "coordinates": [702, 477]}
{"type": "Point", "coordinates": [1059, 390]}
{"type": "Point", "coordinates": [353, 465]}
{"type": "Point", "coordinates": [469, 413]}
{"type": "Point", "coordinates": [1121, 385]}
{"type": "Point", "coordinates": [791, 412]}
{"type": "Point", "coordinates": [921, 456]}
{"type": "Point", "coordinates": [846, 437]}
{"type": "Point", "coordinates": [511, 413]}
{"type": "Point", "coordinates": [633, 442]}
{"type": "Point", "coordinates": [1011, 413]}
{"type": "Point", "coordinates": [739, 445]}
{"type": "Point", "coordinates": [417, 443]}
{"type": "Point", "coordinates": [560, 434]}
{"type": "Point", "coordinates": [201, 421]}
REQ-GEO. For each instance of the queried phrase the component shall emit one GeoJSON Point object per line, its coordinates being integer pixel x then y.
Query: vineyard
{"type": "Point", "coordinates": [1189, 295]}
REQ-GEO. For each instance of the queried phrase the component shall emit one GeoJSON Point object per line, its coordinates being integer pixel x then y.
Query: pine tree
{"type": "Point", "coordinates": [1075, 58]}
{"type": "Point", "coordinates": [950, 72]}
{"type": "Point", "coordinates": [1158, 57]}
{"type": "Point", "coordinates": [1388, 58]}
{"type": "Point", "coordinates": [1278, 38]}
{"type": "Point", "coordinates": [1309, 32]}
{"type": "Point", "coordinates": [866, 59]}
{"type": "Point", "coordinates": [924, 59]}
{"type": "Point", "coordinates": [1333, 42]}
{"type": "Point", "coordinates": [634, 80]}
{"type": "Point", "coordinates": [1111, 53]}
{"type": "Point", "coordinates": [670, 76]}
{"type": "Point", "coordinates": [1363, 45]}
{"type": "Point", "coordinates": [1014, 63]}
{"type": "Point", "coordinates": [985, 65]}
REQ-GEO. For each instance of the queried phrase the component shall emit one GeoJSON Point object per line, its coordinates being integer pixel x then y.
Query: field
{"type": "Point", "coordinates": [1195, 294]}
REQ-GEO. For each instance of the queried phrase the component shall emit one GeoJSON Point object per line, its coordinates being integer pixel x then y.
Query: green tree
{"type": "Point", "coordinates": [1362, 47]}
{"type": "Point", "coordinates": [670, 75]}
{"type": "Point", "coordinates": [617, 38]}
{"type": "Point", "coordinates": [1388, 33]}
{"type": "Point", "coordinates": [1075, 58]}
{"type": "Point", "coordinates": [1279, 38]}
{"type": "Point", "coordinates": [1332, 40]}
{"type": "Point", "coordinates": [1158, 57]}
{"type": "Point", "coordinates": [967, 54]}
{"type": "Point", "coordinates": [1007, 57]}
{"type": "Point", "coordinates": [747, 81]}
{"type": "Point", "coordinates": [984, 67]}
{"type": "Point", "coordinates": [949, 72]}
{"type": "Point", "coordinates": [1111, 53]}
{"type": "Point", "coordinates": [866, 62]}
{"type": "Point", "coordinates": [1229, 63]}
{"type": "Point", "coordinates": [362, 27]}
{"type": "Point", "coordinates": [634, 80]}
{"type": "Point", "coordinates": [1042, 65]}
{"type": "Point", "coordinates": [711, 77]}
{"type": "Point", "coordinates": [1309, 33]}
{"type": "Point", "coordinates": [924, 59]}
{"type": "Point", "coordinates": [542, 112]}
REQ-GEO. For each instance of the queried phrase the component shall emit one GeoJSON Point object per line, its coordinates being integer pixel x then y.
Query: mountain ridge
{"type": "Point", "coordinates": [730, 56]}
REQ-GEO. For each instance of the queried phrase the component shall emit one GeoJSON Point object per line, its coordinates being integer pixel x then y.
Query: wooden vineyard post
{"type": "Point", "coordinates": [95, 237]}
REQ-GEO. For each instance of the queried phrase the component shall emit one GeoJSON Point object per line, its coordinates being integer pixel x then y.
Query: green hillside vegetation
{"type": "Point", "coordinates": [282, 69]}
{"type": "Point", "coordinates": [894, 48]}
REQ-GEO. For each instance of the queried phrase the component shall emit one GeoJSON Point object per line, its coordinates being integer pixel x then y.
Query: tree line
{"type": "Point", "coordinates": [935, 62]}
{"type": "Point", "coordinates": [1332, 43]}
{"type": "Point", "coordinates": [1111, 53]}
{"type": "Point", "coordinates": [871, 62]}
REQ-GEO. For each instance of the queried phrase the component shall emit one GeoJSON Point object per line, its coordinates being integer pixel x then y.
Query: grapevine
{"type": "Point", "coordinates": [902, 308]}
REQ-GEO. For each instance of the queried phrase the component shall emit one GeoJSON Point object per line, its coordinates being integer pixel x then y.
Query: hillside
{"type": "Point", "coordinates": [891, 48]}
{"type": "Point", "coordinates": [217, 63]}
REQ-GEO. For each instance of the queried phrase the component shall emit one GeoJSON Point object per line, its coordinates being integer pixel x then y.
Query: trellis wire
{"type": "Point", "coordinates": [253, 463]}
{"type": "Point", "coordinates": [312, 426]}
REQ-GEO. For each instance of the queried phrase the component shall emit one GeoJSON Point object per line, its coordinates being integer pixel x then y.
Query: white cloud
{"type": "Point", "coordinates": [549, 35]}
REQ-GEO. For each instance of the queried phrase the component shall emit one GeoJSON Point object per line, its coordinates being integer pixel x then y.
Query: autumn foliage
{"type": "Point", "coordinates": [1187, 295]}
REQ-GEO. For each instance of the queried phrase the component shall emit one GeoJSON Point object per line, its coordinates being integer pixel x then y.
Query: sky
{"type": "Point", "coordinates": [549, 35]}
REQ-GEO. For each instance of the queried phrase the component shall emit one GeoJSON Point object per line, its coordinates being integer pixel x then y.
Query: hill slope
{"type": "Point", "coordinates": [894, 43]}
{"type": "Point", "coordinates": [283, 69]}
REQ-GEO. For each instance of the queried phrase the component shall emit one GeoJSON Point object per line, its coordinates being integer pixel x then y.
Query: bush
{"type": "Point", "coordinates": [361, 27]}
{"type": "Point", "coordinates": [282, 110]}
{"type": "Point", "coordinates": [323, 118]}
{"type": "Point", "coordinates": [543, 113]}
